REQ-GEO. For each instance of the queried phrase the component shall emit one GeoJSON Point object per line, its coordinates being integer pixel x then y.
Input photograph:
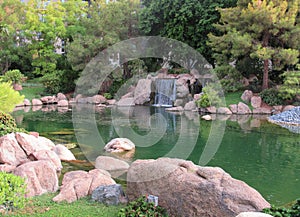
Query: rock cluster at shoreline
{"type": "Point", "coordinates": [288, 119]}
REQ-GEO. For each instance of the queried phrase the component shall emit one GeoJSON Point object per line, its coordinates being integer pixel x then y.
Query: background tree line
{"type": "Point", "coordinates": [240, 38]}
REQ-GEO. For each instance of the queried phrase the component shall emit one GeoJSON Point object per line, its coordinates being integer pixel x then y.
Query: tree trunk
{"type": "Point", "coordinates": [266, 75]}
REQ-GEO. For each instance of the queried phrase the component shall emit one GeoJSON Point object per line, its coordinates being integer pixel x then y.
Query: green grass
{"type": "Point", "coordinates": [233, 98]}
{"type": "Point", "coordinates": [43, 206]}
{"type": "Point", "coordinates": [32, 90]}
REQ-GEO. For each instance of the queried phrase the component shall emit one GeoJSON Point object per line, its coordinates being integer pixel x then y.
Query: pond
{"type": "Point", "coordinates": [264, 155]}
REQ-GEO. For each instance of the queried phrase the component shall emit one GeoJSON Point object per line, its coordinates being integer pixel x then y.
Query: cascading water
{"type": "Point", "coordinates": [165, 92]}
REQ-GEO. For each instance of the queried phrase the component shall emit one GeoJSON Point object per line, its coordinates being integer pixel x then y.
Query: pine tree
{"type": "Point", "coordinates": [262, 29]}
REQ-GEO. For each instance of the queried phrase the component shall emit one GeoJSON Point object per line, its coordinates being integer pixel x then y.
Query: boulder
{"type": "Point", "coordinates": [247, 95]}
{"type": "Point", "coordinates": [182, 91]}
{"type": "Point", "coordinates": [49, 99]}
{"type": "Point", "coordinates": [190, 106]}
{"type": "Point", "coordinates": [178, 102]}
{"type": "Point", "coordinates": [27, 102]}
{"type": "Point", "coordinates": [78, 184]}
{"type": "Point", "coordinates": [63, 153]}
{"type": "Point", "coordinates": [233, 108]}
{"type": "Point", "coordinates": [17, 87]}
{"type": "Point", "coordinates": [61, 96]}
{"type": "Point", "coordinates": [262, 110]}
{"type": "Point", "coordinates": [256, 101]}
{"type": "Point", "coordinates": [10, 151]}
{"type": "Point", "coordinates": [40, 177]}
{"type": "Point", "coordinates": [36, 102]}
{"type": "Point", "coordinates": [175, 109]}
{"type": "Point", "coordinates": [186, 189]}
{"type": "Point", "coordinates": [126, 102]}
{"type": "Point", "coordinates": [7, 168]}
{"type": "Point", "coordinates": [253, 214]}
{"type": "Point", "coordinates": [99, 99]}
{"type": "Point", "coordinates": [111, 101]}
{"type": "Point", "coordinates": [63, 103]}
{"type": "Point", "coordinates": [113, 165]}
{"type": "Point", "coordinates": [206, 117]}
{"type": "Point", "coordinates": [224, 110]}
{"type": "Point", "coordinates": [142, 92]}
{"type": "Point", "coordinates": [32, 144]}
{"type": "Point", "coordinates": [48, 155]}
{"type": "Point", "coordinates": [119, 145]}
{"type": "Point", "coordinates": [82, 100]}
{"type": "Point", "coordinates": [242, 109]}
{"type": "Point", "coordinates": [211, 109]}
{"type": "Point", "coordinates": [110, 195]}
{"type": "Point", "coordinates": [288, 107]}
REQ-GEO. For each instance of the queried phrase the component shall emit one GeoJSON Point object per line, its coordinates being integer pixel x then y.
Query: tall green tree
{"type": "Point", "coordinates": [103, 25]}
{"type": "Point", "coordinates": [188, 21]}
{"type": "Point", "coordinates": [264, 29]}
{"type": "Point", "coordinates": [43, 29]}
{"type": "Point", "coordinates": [10, 22]}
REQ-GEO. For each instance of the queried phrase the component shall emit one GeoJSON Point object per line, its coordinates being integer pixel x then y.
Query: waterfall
{"type": "Point", "coordinates": [165, 92]}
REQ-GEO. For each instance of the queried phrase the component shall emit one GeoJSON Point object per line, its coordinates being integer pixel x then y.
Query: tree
{"type": "Point", "coordinates": [10, 22]}
{"type": "Point", "coordinates": [188, 21]}
{"type": "Point", "coordinates": [44, 28]}
{"type": "Point", "coordinates": [262, 29]}
{"type": "Point", "coordinates": [103, 25]}
{"type": "Point", "coordinates": [291, 84]}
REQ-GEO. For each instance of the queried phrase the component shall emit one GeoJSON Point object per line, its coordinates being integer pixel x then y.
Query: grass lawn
{"type": "Point", "coordinates": [43, 206]}
{"type": "Point", "coordinates": [32, 90]}
{"type": "Point", "coordinates": [233, 98]}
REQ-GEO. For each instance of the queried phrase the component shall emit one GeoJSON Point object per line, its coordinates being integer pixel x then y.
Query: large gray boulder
{"type": "Point", "coordinates": [110, 195]}
{"type": "Point", "coordinates": [243, 109]}
{"type": "Point", "coordinates": [246, 96]}
{"type": "Point", "coordinates": [40, 176]}
{"type": "Point", "coordinates": [186, 189]}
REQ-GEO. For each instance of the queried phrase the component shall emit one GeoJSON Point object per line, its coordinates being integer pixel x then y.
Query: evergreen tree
{"type": "Point", "coordinates": [264, 29]}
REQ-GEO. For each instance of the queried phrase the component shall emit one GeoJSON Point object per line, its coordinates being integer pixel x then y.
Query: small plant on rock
{"type": "Point", "coordinates": [12, 193]}
{"type": "Point", "coordinates": [141, 208]}
{"type": "Point", "coordinates": [8, 124]}
{"type": "Point", "coordinates": [294, 211]}
{"type": "Point", "coordinates": [14, 76]}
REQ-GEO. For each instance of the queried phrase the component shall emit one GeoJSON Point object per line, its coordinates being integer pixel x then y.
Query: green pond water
{"type": "Point", "coordinates": [264, 155]}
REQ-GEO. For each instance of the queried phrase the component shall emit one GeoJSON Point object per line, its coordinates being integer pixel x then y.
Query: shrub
{"type": "Point", "coordinates": [271, 96]}
{"type": "Point", "coordinates": [291, 84]}
{"type": "Point", "coordinates": [8, 124]}
{"type": "Point", "coordinates": [140, 207]}
{"type": "Point", "coordinates": [294, 211]}
{"type": "Point", "coordinates": [13, 189]}
{"type": "Point", "coordinates": [51, 81]}
{"type": "Point", "coordinates": [210, 96]}
{"type": "Point", "coordinates": [9, 98]}
{"type": "Point", "coordinates": [107, 95]}
{"type": "Point", "coordinates": [13, 76]}
{"type": "Point", "coordinates": [203, 102]}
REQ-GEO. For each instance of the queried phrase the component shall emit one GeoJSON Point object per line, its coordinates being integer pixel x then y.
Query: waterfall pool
{"type": "Point", "coordinates": [264, 155]}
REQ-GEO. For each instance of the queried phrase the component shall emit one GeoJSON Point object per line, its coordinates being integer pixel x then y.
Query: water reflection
{"type": "Point", "coordinates": [263, 155]}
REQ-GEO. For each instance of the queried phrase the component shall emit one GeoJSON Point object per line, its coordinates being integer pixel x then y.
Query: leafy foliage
{"type": "Point", "coordinates": [8, 124]}
{"type": "Point", "coordinates": [229, 76]}
{"type": "Point", "coordinates": [294, 211]}
{"type": "Point", "coordinates": [140, 207]}
{"type": "Point", "coordinates": [9, 98]}
{"type": "Point", "coordinates": [271, 96]}
{"type": "Point", "coordinates": [265, 30]}
{"type": "Point", "coordinates": [13, 189]}
{"type": "Point", "coordinates": [291, 84]}
{"type": "Point", "coordinates": [188, 21]}
{"type": "Point", "coordinates": [13, 76]}
{"type": "Point", "coordinates": [210, 96]}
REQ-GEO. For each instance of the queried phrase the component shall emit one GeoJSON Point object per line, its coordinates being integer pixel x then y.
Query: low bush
{"type": "Point", "coordinates": [141, 208]}
{"type": "Point", "coordinates": [271, 96]}
{"type": "Point", "coordinates": [8, 124]}
{"type": "Point", "coordinates": [293, 211]}
{"type": "Point", "coordinates": [210, 96]}
{"type": "Point", "coordinates": [13, 189]}
{"type": "Point", "coordinates": [13, 76]}
{"type": "Point", "coordinates": [9, 98]}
